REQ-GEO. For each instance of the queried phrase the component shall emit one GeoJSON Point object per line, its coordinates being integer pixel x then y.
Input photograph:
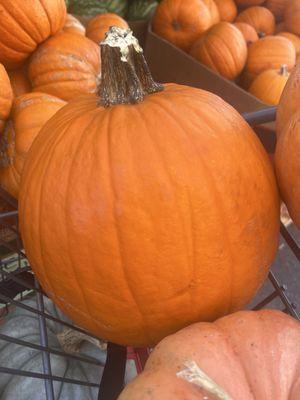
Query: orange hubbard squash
{"type": "Point", "coordinates": [268, 86]}
{"type": "Point", "coordinates": [227, 10]}
{"type": "Point", "coordinates": [73, 25]}
{"type": "Point", "coordinates": [292, 16]}
{"type": "Point", "coordinates": [181, 22]}
{"type": "Point", "coordinates": [25, 24]}
{"type": "Point", "coordinates": [6, 97]}
{"type": "Point", "coordinates": [241, 357]}
{"type": "Point", "coordinates": [223, 49]}
{"type": "Point", "coordinates": [19, 81]}
{"type": "Point", "coordinates": [144, 213]}
{"type": "Point", "coordinates": [100, 24]}
{"type": "Point", "coordinates": [29, 113]}
{"type": "Point", "coordinates": [249, 33]}
{"type": "Point", "coordinates": [260, 18]}
{"type": "Point", "coordinates": [65, 66]}
{"type": "Point", "coordinates": [269, 52]}
{"type": "Point", "coordinates": [277, 7]}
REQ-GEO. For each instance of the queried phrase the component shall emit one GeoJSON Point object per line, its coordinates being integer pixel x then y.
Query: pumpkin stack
{"type": "Point", "coordinates": [240, 40]}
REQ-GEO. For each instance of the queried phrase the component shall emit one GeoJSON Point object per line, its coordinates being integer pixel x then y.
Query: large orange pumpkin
{"type": "Point", "coordinates": [214, 11]}
{"type": "Point", "coordinates": [223, 49]}
{"type": "Point", "coordinates": [249, 33]}
{"type": "Point", "coordinates": [73, 25]}
{"type": "Point", "coordinates": [25, 24]}
{"type": "Point", "coordinates": [260, 18]}
{"type": "Point", "coordinates": [6, 97]}
{"type": "Point", "coordinates": [244, 356]}
{"type": "Point", "coordinates": [277, 7]}
{"type": "Point", "coordinates": [19, 81]}
{"type": "Point", "coordinates": [292, 16]}
{"type": "Point", "coordinates": [100, 24]}
{"type": "Point", "coordinates": [181, 22]}
{"type": "Point", "coordinates": [159, 204]}
{"type": "Point", "coordinates": [293, 38]}
{"type": "Point", "coordinates": [29, 114]}
{"type": "Point", "coordinates": [269, 52]}
{"type": "Point", "coordinates": [227, 10]}
{"type": "Point", "coordinates": [65, 66]}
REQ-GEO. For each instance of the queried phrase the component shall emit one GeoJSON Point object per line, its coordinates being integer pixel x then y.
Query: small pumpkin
{"type": "Point", "coordinates": [181, 22]}
{"type": "Point", "coordinates": [73, 25]}
{"type": "Point", "coordinates": [100, 24]}
{"type": "Point", "coordinates": [293, 38]}
{"type": "Point", "coordinates": [241, 357]}
{"type": "Point", "coordinates": [249, 3]}
{"type": "Point", "coordinates": [277, 7]}
{"type": "Point", "coordinates": [269, 52]}
{"type": "Point", "coordinates": [249, 33]}
{"type": "Point", "coordinates": [223, 49]}
{"type": "Point", "coordinates": [260, 18]}
{"type": "Point", "coordinates": [22, 324]}
{"type": "Point", "coordinates": [65, 66]}
{"type": "Point", "coordinates": [25, 24]}
{"type": "Point", "coordinates": [268, 86]}
{"type": "Point", "coordinates": [94, 7]}
{"type": "Point", "coordinates": [227, 10]}
{"type": "Point", "coordinates": [214, 11]}
{"type": "Point", "coordinates": [6, 97]}
{"type": "Point", "coordinates": [29, 114]}
{"type": "Point", "coordinates": [19, 81]}
{"type": "Point", "coordinates": [151, 238]}
{"type": "Point", "coordinates": [292, 16]}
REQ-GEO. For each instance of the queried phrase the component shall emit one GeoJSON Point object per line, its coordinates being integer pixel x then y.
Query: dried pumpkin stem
{"type": "Point", "coordinates": [125, 75]}
{"type": "Point", "coordinates": [71, 340]}
{"type": "Point", "coordinates": [283, 70]}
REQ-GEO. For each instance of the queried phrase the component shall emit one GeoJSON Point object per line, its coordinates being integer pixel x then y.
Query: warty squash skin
{"type": "Point", "coordinates": [100, 24]}
{"type": "Point", "coordinates": [25, 24]}
{"type": "Point", "coordinates": [29, 113]}
{"type": "Point", "coordinates": [6, 97]}
{"type": "Point", "coordinates": [152, 217]}
{"type": "Point", "coordinates": [260, 18]}
{"type": "Point", "coordinates": [249, 355]}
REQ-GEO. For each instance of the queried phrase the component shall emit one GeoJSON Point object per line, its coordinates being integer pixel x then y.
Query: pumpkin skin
{"type": "Point", "coordinates": [130, 218]}
{"type": "Point", "coordinates": [293, 38]}
{"type": "Point", "coordinates": [289, 102]}
{"type": "Point", "coordinates": [277, 7]}
{"type": "Point", "coordinates": [65, 66]}
{"type": "Point", "coordinates": [73, 25]}
{"type": "Point", "coordinates": [242, 342]}
{"type": "Point", "coordinates": [268, 53]}
{"type": "Point", "coordinates": [24, 325]}
{"type": "Point", "coordinates": [19, 81]}
{"type": "Point", "coordinates": [249, 3]}
{"type": "Point", "coordinates": [181, 22]}
{"type": "Point", "coordinates": [99, 25]}
{"type": "Point", "coordinates": [227, 10]}
{"type": "Point", "coordinates": [25, 24]}
{"type": "Point", "coordinates": [249, 33]}
{"type": "Point", "coordinates": [260, 18]}
{"type": "Point", "coordinates": [223, 49]}
{"type": "Point", "coordinates": [20, 132]}
{"type": "Point", "coordinates": [292, 16]}
{"type": "Point", "coordinates": [6, 97]}
{"type": "Point", "coordinates": [214, 11]}
{"type": "Point", "coordinates": [268, 86]}
{"type": "Point", "coordinates": [280, 27]}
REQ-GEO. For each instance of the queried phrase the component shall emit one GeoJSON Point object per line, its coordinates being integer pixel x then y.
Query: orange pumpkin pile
{"type": "Point", "coordinates": [194, 27]}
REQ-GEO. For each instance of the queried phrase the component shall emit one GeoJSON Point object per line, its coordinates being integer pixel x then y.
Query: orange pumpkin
{"type": "Point", "coordinates": [269, 52]}
{"type": "Point", "coordinates": [292, 16]}
{"type": "Point", "coordinates": [268, 86]}
{"type": "Point", "coordinates": [6, 96]}
{"type": "Point", "coordinates": [19, 81]}
{"type": "Point", "coordinates": [65, 66]}
{"type": "Point", "coordinates": [73, 25]}
{"type": "Point", "coordinates": [277, 7]}
{"type": "Point", "coordinates": [249, 33]}
{"type": "Point", "coordinates": [249, 3]}
{"type": "Point", "coordinates": [25, 24]}
{"type": "Point", "coordinates": [29, 113]}
{"type": "Point", "coordinates": [223, 49]}
{"type": "Point", "coordinates": [141, 206]}
{"type": "Point", "coordinates": [260, 18]}
{"type": "Point", "coordinates": [227, 10]}
{"type": "Point", "coordinates": [100, 24]}
{"type": "Point", "coordinates": [293, 38]}
{"type": "Point", "coordinates": [181, 22]}
{"type": "Point", "coordinates": [214, 11]}
{"type": "Point", "coordinates": [241, 357]}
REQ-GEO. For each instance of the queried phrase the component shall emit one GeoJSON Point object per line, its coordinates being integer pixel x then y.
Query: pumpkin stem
{"type": "Point", "coordinates": [261, 34]}
{"type": "Point", "coordinates": [125, 75]}
{"type": "Point", "coordinates": [71, 340]}
{"type": "Point", "coordinates": [195, 375]}
{"type": "Point", "coordinates": [283, 70]}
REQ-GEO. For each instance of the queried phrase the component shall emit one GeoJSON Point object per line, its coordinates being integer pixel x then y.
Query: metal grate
{"type": "Point", "coordinates": [17, 281]}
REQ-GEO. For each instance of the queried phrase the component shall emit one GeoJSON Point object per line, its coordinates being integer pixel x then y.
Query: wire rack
{"type": "Point", "coordinates": [17, 281]}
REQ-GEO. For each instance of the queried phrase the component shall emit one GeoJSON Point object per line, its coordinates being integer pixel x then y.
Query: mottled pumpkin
{"type": "Point", "coordinates": [65, 66]}
{"type": "Point", "coordinates": [277, 7]}
{"type": "Point", "coordinates": [227, 10]}
{"type": "Point", "coordinates": [249, 33]}
{"type": "Point", "coordinates": [73, 25]}
{"type": "Point", "coordinates": [223, 49]}
{"type": "Point", "coordinates": [100, 24]}
{"type": "Point", "coordinates": [260, 18]}
{"type": "Point", "coordinates": [29, 114]}
{"type": "Point", "coordinates": [25, 24]}
{"type": "Point", "coordinates": [292, 16]}
{"type": "Point", "coordinates": [19, 81]}
{"type": "Point", "coordinates": [140, 195]}
{"type": "Point", "coordinates": [244, 356]}
{"type": "Point", "coordinates": [6, 97]}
